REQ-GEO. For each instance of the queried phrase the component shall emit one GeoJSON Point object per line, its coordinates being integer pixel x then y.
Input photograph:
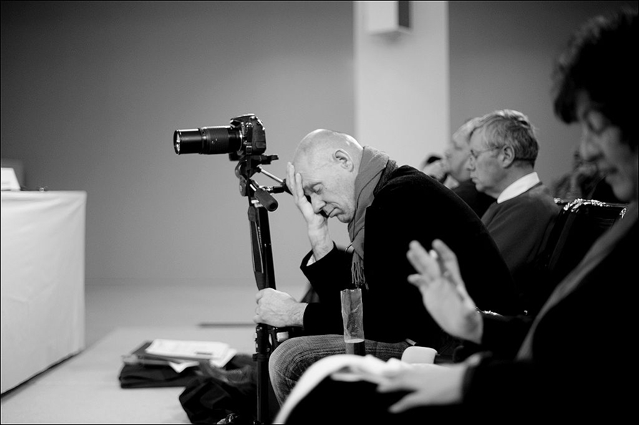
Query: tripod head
{"type": "Point", "coordinates": [246, 168]}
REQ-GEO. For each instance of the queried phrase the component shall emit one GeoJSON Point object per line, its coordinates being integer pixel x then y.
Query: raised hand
{"type": "Point", "coordinates": [317, 222]}
{"type": "Point", "coordinates": [294, 183]}
{"type": "Point", "coordinates": [443, 292]}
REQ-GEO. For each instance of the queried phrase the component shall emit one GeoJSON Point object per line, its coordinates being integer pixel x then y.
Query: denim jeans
{"type": "Point", "coordinates": [292, 357]}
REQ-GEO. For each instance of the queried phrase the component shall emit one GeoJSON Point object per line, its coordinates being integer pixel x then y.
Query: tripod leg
{"type": "Point", "coordinates": [265, 278]}
{"type": "Point", "coordinates": [262, 358]}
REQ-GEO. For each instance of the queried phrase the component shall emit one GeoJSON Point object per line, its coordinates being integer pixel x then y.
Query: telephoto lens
{"type": "Point", "coordinates": [207, 140]}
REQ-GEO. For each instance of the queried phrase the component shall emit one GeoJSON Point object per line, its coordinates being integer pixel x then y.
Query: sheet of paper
{"type": "Point", "coordinates": [179, 367]}
{"type": "Point", "coordinates": [224, 360]}
{"type": "Point", "coordinates": [188, 349]}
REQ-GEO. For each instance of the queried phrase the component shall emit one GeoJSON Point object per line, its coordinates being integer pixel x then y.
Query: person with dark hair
{"type": "Point", "coordinates": [568, 363]}
{"type": "Point", "coordinates": [434, 166]}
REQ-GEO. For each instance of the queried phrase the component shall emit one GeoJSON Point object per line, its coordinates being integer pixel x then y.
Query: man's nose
{"type": "Point", "coordinates": [588, 148]}
{"type": "Point", "coordinates": [469, 166]}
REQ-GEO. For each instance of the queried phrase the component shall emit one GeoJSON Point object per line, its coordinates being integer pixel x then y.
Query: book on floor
{"type": "Point", "coordinates": [180, 354]}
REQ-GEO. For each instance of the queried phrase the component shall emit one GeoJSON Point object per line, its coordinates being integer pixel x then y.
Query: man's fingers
{"type": "Point", "coordinates": [294, 182]}
{"type": "Point", "coordinates": [298, 187]}
{"type": "Point", "coordinates": [290, 179]}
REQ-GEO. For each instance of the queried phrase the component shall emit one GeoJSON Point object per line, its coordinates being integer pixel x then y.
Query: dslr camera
{"type": "Point", "coordinates": [245, 136]}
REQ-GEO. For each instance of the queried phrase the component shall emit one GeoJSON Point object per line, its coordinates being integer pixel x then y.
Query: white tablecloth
{"type": "Point", "coordinates": [43, 258]}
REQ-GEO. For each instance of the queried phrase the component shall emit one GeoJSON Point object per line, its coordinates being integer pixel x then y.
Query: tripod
{"type": "Point", "coordinates": [260, 203]}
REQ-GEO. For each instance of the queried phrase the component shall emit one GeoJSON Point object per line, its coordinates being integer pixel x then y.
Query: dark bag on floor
{"type": "Point", "coordinates": [146, 376]}
{"type": "Point", "coordinates": [223, 394]}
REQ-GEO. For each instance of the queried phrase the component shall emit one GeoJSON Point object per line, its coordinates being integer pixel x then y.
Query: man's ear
{"type": "Point", "coordinates": [343, 159]}
{"type": "Point", "coordinates": [508, 156]}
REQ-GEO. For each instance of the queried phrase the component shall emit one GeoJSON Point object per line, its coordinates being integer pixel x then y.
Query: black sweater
{"type": "Point", "coordinates": [410, 205]}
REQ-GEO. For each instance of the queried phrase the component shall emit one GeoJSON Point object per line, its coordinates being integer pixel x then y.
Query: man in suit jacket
{"type": "Point", "coordinates": [503, 151]}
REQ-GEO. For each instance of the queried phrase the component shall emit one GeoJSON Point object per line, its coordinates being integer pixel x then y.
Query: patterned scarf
{"type": "Point", "coordinates": [372, 165]}
{"type": "Point", "coordinates": [594, 257]}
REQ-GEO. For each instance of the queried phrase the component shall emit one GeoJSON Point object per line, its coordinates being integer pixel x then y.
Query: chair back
{"type": "Point", "coordinates": [577, 226]}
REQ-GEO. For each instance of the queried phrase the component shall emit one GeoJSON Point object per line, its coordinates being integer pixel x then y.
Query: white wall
{"type": "Point", "coordinates": [464, 59]}
{"type": "Point", "coordinates": [402, 84]}
{"type": "Point", "coordinates": [502, 56]}
{"type": "Point", "coordinates": [93, 91]}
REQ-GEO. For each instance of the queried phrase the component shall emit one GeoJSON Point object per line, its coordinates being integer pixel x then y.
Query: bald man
{"type": "Point", "coordinates": [333, 176]}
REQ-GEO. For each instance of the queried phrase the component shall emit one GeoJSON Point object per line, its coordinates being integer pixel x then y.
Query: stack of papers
{"type": "Point", "coordinates": [181, 354]}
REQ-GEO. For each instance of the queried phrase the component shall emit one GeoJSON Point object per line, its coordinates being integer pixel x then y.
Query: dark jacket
{"type": "Point", "coordinates": [409, 205]}
{"type": "Point", "coordinates": [579, 368]}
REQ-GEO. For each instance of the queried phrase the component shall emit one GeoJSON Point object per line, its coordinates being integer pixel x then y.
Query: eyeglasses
{"type": "Point", "coordinates": [474, 155]}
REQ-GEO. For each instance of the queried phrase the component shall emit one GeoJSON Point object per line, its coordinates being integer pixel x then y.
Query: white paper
{"type": "Point", "coordinates": [224, 360]}
{"type": "Point", "coordinates": [206, 350]}
{"type": "Point", "coordinates": [179, 367]}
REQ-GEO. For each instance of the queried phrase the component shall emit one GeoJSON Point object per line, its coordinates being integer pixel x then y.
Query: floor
{"type": "Point", "coordinates": [84, 388]}
{"type": "Point", "coordinates": [113, 306]}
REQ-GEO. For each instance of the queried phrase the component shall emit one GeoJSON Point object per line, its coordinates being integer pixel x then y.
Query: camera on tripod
{"type": "Point", "coordinates": [244, 137]}
{"type": "Point", "coordinates": [245, 141]}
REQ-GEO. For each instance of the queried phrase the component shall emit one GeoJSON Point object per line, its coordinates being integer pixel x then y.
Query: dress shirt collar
{"type": "Point", "coordinates": [519, 186]}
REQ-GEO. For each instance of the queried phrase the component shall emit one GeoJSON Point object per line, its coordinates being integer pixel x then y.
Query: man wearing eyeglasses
{"type": "Point", "coordinates": [502, 155]}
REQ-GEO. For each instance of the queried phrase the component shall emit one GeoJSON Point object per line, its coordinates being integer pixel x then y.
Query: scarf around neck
{"type": "Point", "coordinates": [372, 166]}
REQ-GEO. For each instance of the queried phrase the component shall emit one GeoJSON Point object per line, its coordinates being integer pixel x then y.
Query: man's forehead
{"type": "Point", "coordinates": [476, 139]}
{"type": "Point", "coordinates": [460, 141]}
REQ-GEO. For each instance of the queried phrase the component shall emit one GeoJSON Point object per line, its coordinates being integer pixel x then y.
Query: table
{"type": "Point", "coordinates": [43, 260]}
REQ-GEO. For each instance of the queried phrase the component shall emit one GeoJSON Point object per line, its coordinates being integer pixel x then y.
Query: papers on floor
{"type": "Point", "coordinates": [190, 352]}
{"type": "Point", "coordinates": [181, 354]}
